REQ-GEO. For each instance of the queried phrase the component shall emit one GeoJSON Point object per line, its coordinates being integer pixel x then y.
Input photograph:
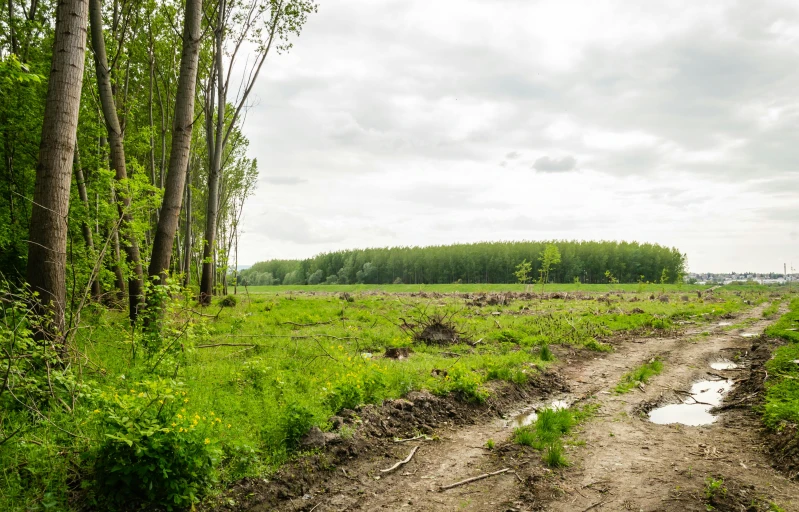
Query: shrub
{"type": "Point", "coordinates": [467, 385]}
{"type": "Point", "coordinates": [296, 421]}
{"type": "Point", "coordinates": [229, 301]}
{"type": "Point", "coordinates": [354, 389]}
{"type": "Point", "coordinates": [154, 451]}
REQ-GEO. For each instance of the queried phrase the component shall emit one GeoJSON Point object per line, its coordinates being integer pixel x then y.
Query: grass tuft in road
{"type": "Point", "coordinates": [640, 375]}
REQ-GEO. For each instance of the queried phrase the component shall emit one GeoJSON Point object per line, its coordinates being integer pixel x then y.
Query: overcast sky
{"type": "Point", "coordinates": [417, 122]}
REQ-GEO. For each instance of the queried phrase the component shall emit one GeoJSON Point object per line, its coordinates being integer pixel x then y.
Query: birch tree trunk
{"type": "Point", "coordinates": [181, 142]}
{"type": "Point", "coordinates": [47, 251]}
{"type": "Point", "coordinates": [117, 146]}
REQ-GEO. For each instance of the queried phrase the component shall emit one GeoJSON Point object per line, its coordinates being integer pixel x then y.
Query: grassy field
{"type": "Point", "coordinates": [477, 288]}
{"type": "Point", "coordinates": [249, 380]}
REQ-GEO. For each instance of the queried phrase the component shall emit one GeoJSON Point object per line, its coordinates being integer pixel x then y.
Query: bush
{"type": "Point", "coordinates": [296, 421]}
{"type": "Point", "coordinates": [228, 301]}
{"type": "Point", "coordinates": [354, 389]}
{"type": "Point", "coordinates": [154, 451]}
{"type": "Point", "coordinates": [467, 385]}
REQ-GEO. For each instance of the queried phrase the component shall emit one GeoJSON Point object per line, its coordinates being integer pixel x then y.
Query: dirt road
{"type": "Point", "coordinates": [620, 460]}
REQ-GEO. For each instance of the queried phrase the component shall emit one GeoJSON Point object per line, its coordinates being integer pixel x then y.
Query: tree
{"type": "Point", "coordinates": [523, 270]}
{"type": "Point", "coordinates": [549, 257]}
{"type": "Point", "coordinates": [181, 142]}
{"type": "Point", "coordinates": [46, 271]}
{"type": "Point", "coordinates": [264, 24]}
{"type": "Point", "coordinates": [118, 163]}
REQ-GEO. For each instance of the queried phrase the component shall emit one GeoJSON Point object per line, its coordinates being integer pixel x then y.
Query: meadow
{"type": "Point", "coordinates": [239, 383]}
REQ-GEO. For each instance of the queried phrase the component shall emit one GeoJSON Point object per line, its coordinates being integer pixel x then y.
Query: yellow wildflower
{"type": "Point", "coordinates": [207, 441]}
{"type": "Point", "coordinates": [96, 411]}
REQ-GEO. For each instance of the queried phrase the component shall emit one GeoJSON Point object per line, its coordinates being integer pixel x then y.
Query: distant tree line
{"type": "Point", "coordinates": [485, 262]}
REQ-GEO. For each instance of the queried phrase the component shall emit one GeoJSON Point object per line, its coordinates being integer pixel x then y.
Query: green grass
{"type": "Point", "coordinates": [772, 310]}
{"type": "Point", "coordinates": [547, 432]}
{"type": "Point", "coordinates": [279, 362]}
{"type": "Point", "coordinates": [640, 375]}
{"type": "Point", "coordinates": [782, 388]}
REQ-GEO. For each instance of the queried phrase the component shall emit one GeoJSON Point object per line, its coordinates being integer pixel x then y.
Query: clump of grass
{"type": "Point", "coordinates": [546, 354]}
{"type": "Point", "coordinates": [490, 444]}
{"type": "Point", "coordinates": [547, 433]}
{"type": "Point", "coordinates": [598, 346]}
{"type": "Point", "coordinates": [640, 375]}
{"type": "Point", "coordinates": [554, 456]}
{"type": "Point", "coordinates": [772, 310]}
{"type": "Point", "coordinates": [228, 301]}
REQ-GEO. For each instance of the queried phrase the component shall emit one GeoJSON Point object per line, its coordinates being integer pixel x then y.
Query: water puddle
{"type": "Point", "coordinates": [529, 415]}
{"type": "Point", "coordinates": [748, 335]}
{"type": "Point", "coordinates": [725, 324]}
{"type": "Point", "coordinates": [695, 409]}
{"type": "Point", "coordinates": [723, 365]}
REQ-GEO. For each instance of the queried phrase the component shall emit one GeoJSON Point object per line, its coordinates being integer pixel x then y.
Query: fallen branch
{"type": "Point", "coordinates": [306, 325]}
{"type": "Point", "coordinates": [473, 479]}
{"type": "Point", "coordinates": [595, 505]}
{"type": "Point", "coordinates": [227, 345]}
{"type": "Point", "coordinates": [421, 436]}
{"type": "Point", "coordinates": [402, 462]}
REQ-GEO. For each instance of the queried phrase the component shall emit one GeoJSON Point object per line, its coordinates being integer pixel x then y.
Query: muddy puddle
{"type": "Point", "coordinates": [725, 324]}
{"type": "Point", "coordinates": [528, 415]}
{"type": "Point", "coordinates": [749, 335]}
{"type": "Point", "coordinates": [695, 408]}
{"type": "Point", "coordinates": [724, 365]}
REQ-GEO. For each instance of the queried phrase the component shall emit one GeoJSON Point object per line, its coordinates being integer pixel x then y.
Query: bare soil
{"type": "Point", "coordinates": [620, 460]}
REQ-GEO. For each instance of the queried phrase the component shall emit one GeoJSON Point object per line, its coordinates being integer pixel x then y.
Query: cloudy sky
{"type": "Point", "coordinates": [417, 122]}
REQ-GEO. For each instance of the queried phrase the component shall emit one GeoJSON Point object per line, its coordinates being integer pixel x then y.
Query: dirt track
{"type": "Point", "coordinates": [625, 463]}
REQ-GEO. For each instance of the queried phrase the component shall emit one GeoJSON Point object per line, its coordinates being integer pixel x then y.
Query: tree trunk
{"type": "Point", "coordinates": [215, 160]}
{"type": "Point", "coordinates": [187, 240]}
{"type": "Point", "coordinates": [181, 142]}
{"type": "Point", "coordinates": [116, 143]}
{"type": "Point", "coordinates": [47, 252]}
{"type": "Point", "coordinates": [87, 229]}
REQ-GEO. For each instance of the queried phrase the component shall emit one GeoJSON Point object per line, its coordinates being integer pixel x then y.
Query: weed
{"type": "Point", "coordinates": [640, 375]}
{"type": "Point", "coordinates": [714, 488]}
{"type": "Point", "coordinates": [228, 301]}
{"type": "Point", "coordinates": [490, 444]}
{"type": "Point", "coordinates": [554, 456]}
{"type": "Point", "coordinates": [546, 354]}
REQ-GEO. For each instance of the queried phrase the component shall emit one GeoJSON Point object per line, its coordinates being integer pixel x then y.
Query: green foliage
{"type": "Point", "coordinates": [555, 457]}
{"type": "Point", "coordinates": [546, 354]}
{"type": "Point", "coordinates": [493, 262]}
{"type": "Point", "coordinates": [549, 257]}
{"type": "Point", "coordinates": [640, 375]}
{"type": "Point", "coordinates": [782, 388]}
{"type": "Point", "coordinates": [467, 385]}
{"type": "Point", "coordinates": [714, 488]}
{"type": "Point", "coordinates": [156, 449]}
{"type": "Point", "coordinates": [490, 445]}
{"type": "Point", "coordinates": [229, 301]}
{"type": "Point", "coordinates": [297, 421]}
{"type": "Point", "coordinates": [523, 270]}
{"type": "Point", "coordinates": [547, 432]}
{"type": "Point", "coordinates": [356, 388]}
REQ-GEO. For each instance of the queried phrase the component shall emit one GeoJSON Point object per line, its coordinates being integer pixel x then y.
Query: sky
{"type": "Point", "coordinates": [426, 122]}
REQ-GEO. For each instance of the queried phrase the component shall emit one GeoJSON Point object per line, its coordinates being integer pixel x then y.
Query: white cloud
{"type": "Point", "coordinates": [408, 122]}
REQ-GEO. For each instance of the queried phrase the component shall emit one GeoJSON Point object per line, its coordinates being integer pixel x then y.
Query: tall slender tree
{"type": "Point", "coordinates": [266, 25]}
{"type": "Point", "coordinates": [117, 146]}
{"type": "Point", "coordinates": [47, 255]}
{"type": "Point", "coordinates": [181, 142]}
